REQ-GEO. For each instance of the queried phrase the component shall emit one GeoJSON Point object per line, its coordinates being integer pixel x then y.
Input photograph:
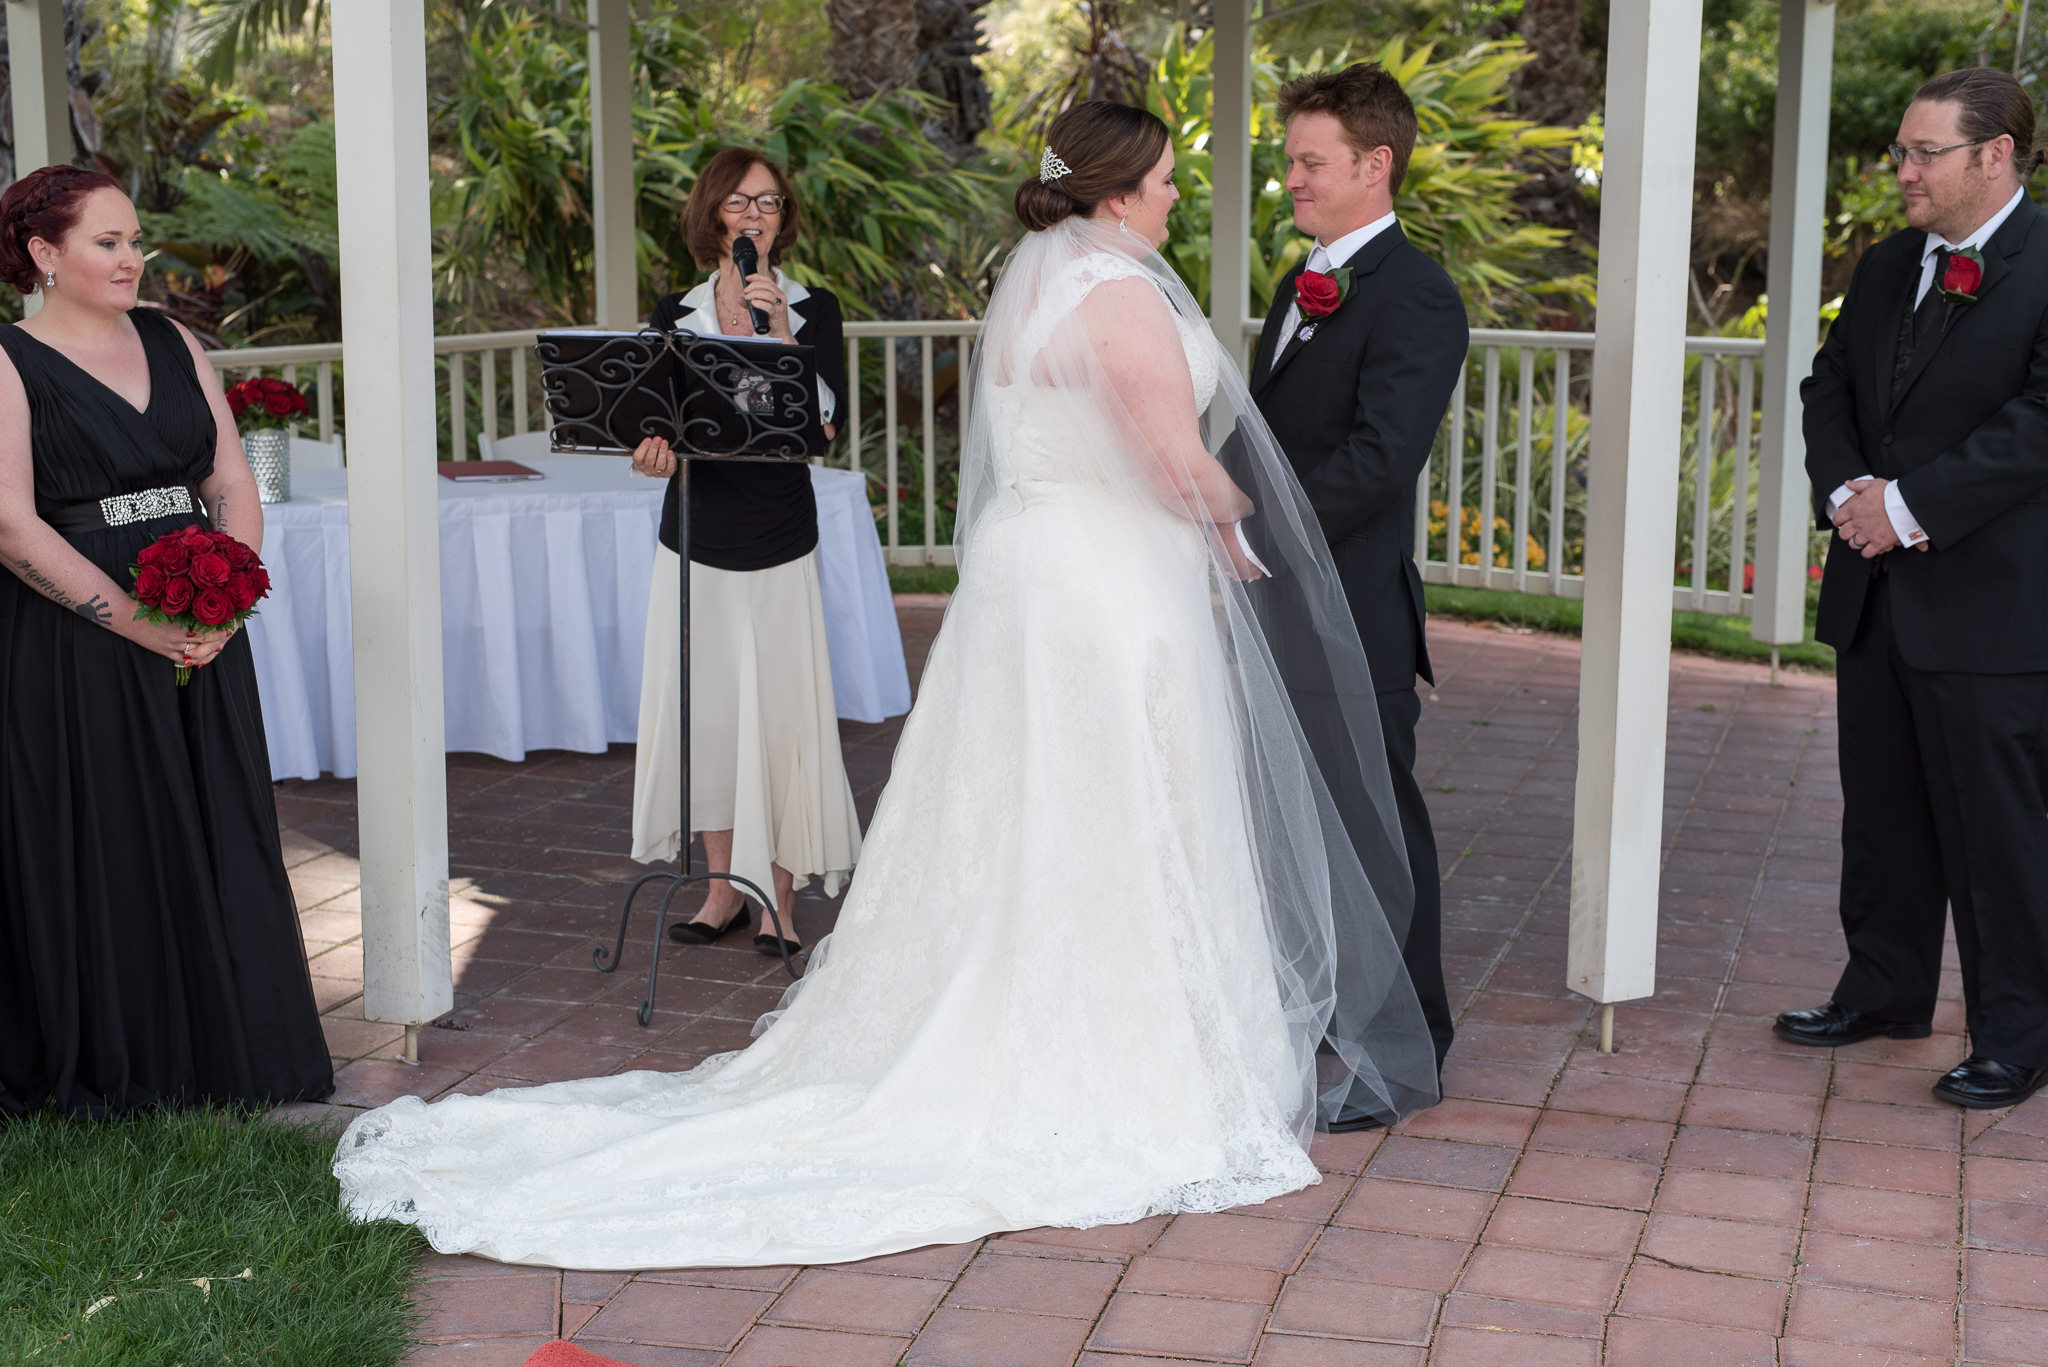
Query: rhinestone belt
{"type": "Point", "coordinates": [122, 509]}
{"type": "Point", "coordinates": [176, 500]}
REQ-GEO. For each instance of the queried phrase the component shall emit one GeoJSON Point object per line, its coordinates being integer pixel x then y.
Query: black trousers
{"type": "Point", "coordinates": [1423, 952]}
{"type": "Point", "coordinates": [1945, 808]}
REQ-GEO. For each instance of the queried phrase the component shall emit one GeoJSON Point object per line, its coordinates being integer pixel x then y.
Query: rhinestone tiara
{"type": "Point", "coordinates": [1051, 168]}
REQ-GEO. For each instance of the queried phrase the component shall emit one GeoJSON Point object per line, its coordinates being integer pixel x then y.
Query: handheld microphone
{"type": "Point", "coordinates": [749, 261]}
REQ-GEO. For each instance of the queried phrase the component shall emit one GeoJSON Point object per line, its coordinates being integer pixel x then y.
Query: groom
{"type": "Point", "coordinates": [1354, 370]}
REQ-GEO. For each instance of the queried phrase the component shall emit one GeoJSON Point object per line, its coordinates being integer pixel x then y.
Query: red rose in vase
{"type": "Point", "coordinates": [266, 402]}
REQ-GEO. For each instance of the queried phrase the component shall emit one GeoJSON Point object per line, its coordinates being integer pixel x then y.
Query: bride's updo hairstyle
{"type": "Point", "coordinates": [1107, 149]}
{"type": "Point", "coordinates": [43, 204]}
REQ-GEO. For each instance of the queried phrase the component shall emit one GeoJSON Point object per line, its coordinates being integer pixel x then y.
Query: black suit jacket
{"type": "Point", "coordinates": [1965, 434]}
{"type": "Point", "coordinates": [1356, 408]}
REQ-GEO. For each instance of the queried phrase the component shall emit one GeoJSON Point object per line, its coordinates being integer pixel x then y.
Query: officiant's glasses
{"type": "Point", "coordinates": [1900, 155]}
{"type": "Point", "coordinates": [737, 203]}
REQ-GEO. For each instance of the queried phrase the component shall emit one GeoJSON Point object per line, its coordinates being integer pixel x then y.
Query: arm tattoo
{"type": "Point", "coordinates": [220, 514]}
{"type": "Point", "coordinates": [95, 609]}
{"type": "Point", "coordinates": [43, 584]}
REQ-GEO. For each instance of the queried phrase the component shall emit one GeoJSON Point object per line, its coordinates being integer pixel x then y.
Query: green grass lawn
{"type": "Point", "coordinates": [186, 1240]}
{"type": "Point", "coordinates": [1701, 631]}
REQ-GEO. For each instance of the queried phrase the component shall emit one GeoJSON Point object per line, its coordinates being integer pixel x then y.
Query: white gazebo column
{"type": "Point", "coordinates": [617, 288]}
{"type": "Point", "coordinates": [1799, 160]}
{"type": "Point", "coordinates": [394, 533]}
{"type": "Point", "coordinates": [41, 91]}
{"type": "Point", "coordinates": [1230, 171]}
{"type": "Point", "coordinates": [1653, 53]}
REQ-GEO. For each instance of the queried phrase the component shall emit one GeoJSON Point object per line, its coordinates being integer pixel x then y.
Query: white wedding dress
{"type": "Point", "coordinates": [1052, 996]}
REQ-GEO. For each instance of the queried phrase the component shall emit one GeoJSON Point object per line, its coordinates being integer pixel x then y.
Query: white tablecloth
{"type": "Point", "coordinates": [543, 609]}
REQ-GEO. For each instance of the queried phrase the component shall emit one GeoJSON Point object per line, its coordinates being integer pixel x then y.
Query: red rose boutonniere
{"type": "Point", "coordinates": [1964, 276]}
{"type": "Point", "coordinates": [1317, 295]}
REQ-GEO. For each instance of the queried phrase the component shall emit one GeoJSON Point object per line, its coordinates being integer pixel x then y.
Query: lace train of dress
{"type": "Point", "coordinates": [1047, 1000]}
{"type": "Point", "coordinates": [1060, 991]}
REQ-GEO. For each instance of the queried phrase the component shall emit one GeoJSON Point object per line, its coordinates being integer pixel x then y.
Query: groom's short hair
{"type": "Point", "coordinates": [1368, 101]}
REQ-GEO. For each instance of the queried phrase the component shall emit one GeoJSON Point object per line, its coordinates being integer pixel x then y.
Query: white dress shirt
{"type": "Point", "coordinates": [1327, 258]}
{"type": "Point", "coordinates": [700, 316]}
{"type": "Point", "coordinates": [1903, 522]}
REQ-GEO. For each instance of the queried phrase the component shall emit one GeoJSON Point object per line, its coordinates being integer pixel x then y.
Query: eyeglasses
{"type": "Point", "coordinates": [768, 204]}
{"type": "Point", "coordinates": [1920, 156]}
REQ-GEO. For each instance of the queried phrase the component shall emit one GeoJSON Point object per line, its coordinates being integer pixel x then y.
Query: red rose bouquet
{"type": "Point", "coordinates": [266, 403]}
{"type": "Point", "coordinates": [200, 580]}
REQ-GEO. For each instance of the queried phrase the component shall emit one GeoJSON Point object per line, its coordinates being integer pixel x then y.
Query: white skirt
{"type": "Point", "coordinates": [764, 728]}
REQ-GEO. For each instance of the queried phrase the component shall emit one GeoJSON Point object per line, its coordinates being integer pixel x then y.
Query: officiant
{"type": "Point", "coordinates": [1927, 442]}
{"type": "Point", "coordinates": [768, 787]}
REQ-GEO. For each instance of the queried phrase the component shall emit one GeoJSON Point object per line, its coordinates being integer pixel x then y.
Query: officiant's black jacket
{"type": "Point", "coordinates": [1964, 432]}
{"type": "Point", "coordinates": [1356, 408]}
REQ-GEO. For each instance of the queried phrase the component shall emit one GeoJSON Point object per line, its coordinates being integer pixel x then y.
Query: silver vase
{"type": "Point", "coordinates": [270, 459]}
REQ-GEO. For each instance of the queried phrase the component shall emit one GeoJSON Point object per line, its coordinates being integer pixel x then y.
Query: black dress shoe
{"type": "Point", "coordinates": [703, 932]}
{"type": "Point", "coordinates": [1350, 1120]}
{"type": "Point", "coordinates": [775, 947]}
{"type": "Point", "coordinates": [1984, 1083]}
{"type": "Point", "coordinates": [1831, 1024]}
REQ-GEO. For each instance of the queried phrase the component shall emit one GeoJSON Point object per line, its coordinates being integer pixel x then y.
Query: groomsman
{"type": "Point", "coordinates": [1927, 443]}
{"type": "Point", "coordinates": [1354, 370]}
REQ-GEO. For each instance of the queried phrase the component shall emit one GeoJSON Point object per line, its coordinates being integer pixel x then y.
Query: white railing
{"type": "Point", "coordinates": [1511, 458]}
{"type": "Point", "coordinates": [1521, 400]}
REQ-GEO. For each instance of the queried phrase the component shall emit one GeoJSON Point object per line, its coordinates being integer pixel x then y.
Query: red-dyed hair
{"type": "Point", "coordinates": [45, 204]}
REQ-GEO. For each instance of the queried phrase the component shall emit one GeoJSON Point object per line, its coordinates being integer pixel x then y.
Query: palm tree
{"type": "Point", "coordinates": [948, 42]}
{"type": "Point", "coordinates": [874, 45]}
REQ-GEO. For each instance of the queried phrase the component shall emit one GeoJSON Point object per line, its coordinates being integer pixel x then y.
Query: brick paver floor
{"type": "Point", "coordinates": [1705, 1195]}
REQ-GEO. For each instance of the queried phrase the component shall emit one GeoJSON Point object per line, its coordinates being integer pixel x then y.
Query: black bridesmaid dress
{"type": "Point", "coordinates": [149, 943]}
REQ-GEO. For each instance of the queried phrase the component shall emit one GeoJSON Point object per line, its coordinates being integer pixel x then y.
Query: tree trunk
{"type": "Point", "coordinates": [948, 42]}
{"type": "Point", "coordinates": [874, 45]}
{"type": "Point", "coordinates": [1551, 88]}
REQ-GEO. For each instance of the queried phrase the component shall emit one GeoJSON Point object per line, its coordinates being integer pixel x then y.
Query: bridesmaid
{"type": "Point", "coordinates": [768, 786]}
{"type": "Point", "coordinates": [149, 945]}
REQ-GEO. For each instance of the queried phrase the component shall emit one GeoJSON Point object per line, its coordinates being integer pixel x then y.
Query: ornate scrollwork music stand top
{"type": "Point", "coordinates": [712, 398]}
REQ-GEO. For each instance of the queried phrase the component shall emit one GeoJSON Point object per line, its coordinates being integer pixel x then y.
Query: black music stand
{"type": "Point", "coordinates": [712, 398]}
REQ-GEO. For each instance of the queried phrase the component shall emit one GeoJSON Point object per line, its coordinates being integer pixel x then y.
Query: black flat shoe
{"type": "Point", "coordinates": [703, 932]}
{"type": "Point", "coordinates": [775, 947]}
{"type": "Point", "coordinates": [1350, 1120]}
{"type": "Point", "coordinates": [1831, 1024]}
{"type": "Point", "coordinates": [1983, 1084]}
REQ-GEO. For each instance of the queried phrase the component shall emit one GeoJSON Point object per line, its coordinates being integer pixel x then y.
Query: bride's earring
{"type": "Point", "coordinates": [1123, 225]}
{"type": "Point", "coordinates": [49, 279]}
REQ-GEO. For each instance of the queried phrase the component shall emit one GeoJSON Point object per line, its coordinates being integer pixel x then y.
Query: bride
{"type": "Point", "coordinates": [1115, 940]}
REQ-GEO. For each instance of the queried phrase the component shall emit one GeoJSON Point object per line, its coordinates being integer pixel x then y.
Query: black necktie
{"type": "Point", "coordinates": [1931, 302]}
{"type": "Point", "coordinates": [1915, 326]}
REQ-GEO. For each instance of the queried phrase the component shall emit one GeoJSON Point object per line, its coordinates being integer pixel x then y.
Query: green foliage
{"type": "Point", "coordinates": [1706, 633]}
{"type": "Point", "coordinates": [228, 32]}
{"type": "Point", "coordinates": [126, 1242]}
{"type": "Point", "coordinates": [1457, 203]}
{"type": "Point", "coordinates": [881, 201]}
{"type": "Point", "coordinates": [1884, 49]}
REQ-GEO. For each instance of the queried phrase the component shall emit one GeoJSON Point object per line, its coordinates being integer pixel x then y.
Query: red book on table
{"type": "Point", "coordinates": [486, 471]}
